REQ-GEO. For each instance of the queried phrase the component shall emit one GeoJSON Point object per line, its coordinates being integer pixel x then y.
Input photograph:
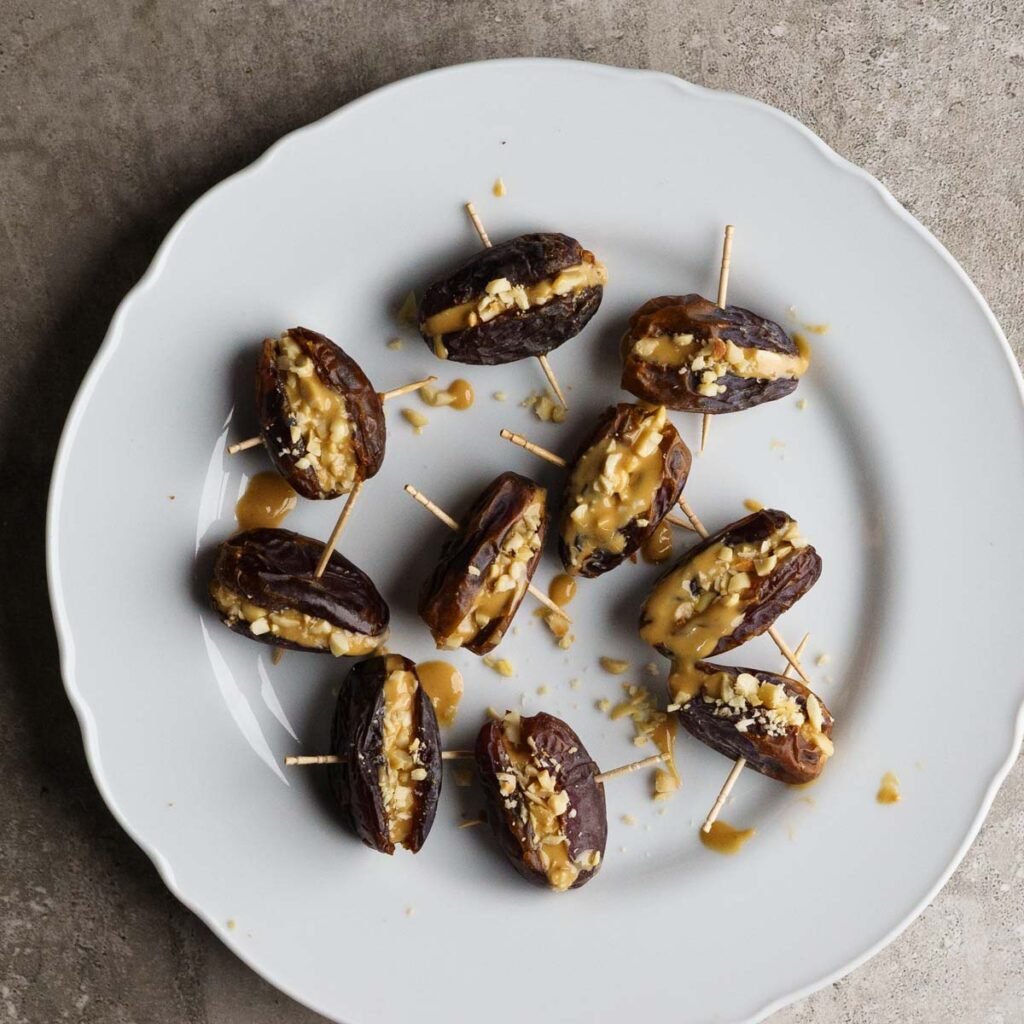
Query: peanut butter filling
{"type": "Point", "coordinates": [507, 578]}
{"type": "Point", "coordinates": [712, 359]}
{"type": "Point", "coordinates": [500, 296]}
{"type": "Point", "coordinates": [294, 626]}
{"type": "Point", "coordinates": [321, 431]}
{"type": "Point", "coordinates": [532, 791]}
{"type": "Point", "coordinates": [614, 483]}
{"type": "Point", "coordinates": [691, 609]}
{"type": "Point", "coordinates": [403, 767]}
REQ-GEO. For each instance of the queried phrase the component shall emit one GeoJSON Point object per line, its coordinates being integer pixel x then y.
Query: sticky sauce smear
{"type": "Point", "coordinates": [658, 547]}
{"type": "Point", "coordinates": [458, 395]}
{"type": "Point", "coordinates": [562, 589]}
{"type": "Point", "coordinates": [889, 790]}
{"type": "Point", "coordinates": [444, 686]}
{"type": "Point", "coordinates": [266, 502]}
{"type": "Point", "coordinates": [723, 838]}
{"type": "Point", "coordinates": [816, 328]}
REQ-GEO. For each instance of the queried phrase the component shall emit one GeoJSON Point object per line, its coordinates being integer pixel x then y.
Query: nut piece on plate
{"type": "Point", "coordinates": [685, 352]}
{"type": "Point", "coordinates": [263, 587]}
{"type": "Point", "coordinates": [781, 728]}
{"type": "Point", "coordinates": [386, 729]}
{"type": "Point", "coordinates": [321, 419]}
{"type": "Point", "coordinates": [544, 803]}
{"type": "Point", "coordinates": [729, 588]}
{"type": "Point", "coordinates": [517, 299]}
{"type": "Point", "coordinates": [625, 478]}
{"type": "Point", "coordinates": [471, 597]}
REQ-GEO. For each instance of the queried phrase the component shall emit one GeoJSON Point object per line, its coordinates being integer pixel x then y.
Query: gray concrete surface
{"type": "Point", "coordinates": [115, 116]}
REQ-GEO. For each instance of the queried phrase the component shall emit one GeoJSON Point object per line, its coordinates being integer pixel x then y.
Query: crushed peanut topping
{"type": "Point", "coordinates": [395, 344]}
{"type": "Point", "coordinates": [500, 665]}
{"type": "Point", "coordinates": [545, 406]}
{"type": "Point", "coordinates": [615, 666]}
{"type": "Point", "coordinates": [506, 579]}
{"type": "Point", "coordinates": [650, 725]}
{"type": "Point", "coordinates": [415, 419]}
{"type": "Point", "coordinates": [532, 790]}
{"type": "Point", "coordinates": [614, 483]}
{"type": "Point", "coordinates": [711, 360]}
{"type": "Point", "coordinates": [498, 189]}
{"type": "Point", "coordinates": [402, 766]}
{"type": "Point", "coordinates": [501, 296]}
{"type": "Point", "coordinates": [320, 428]}
{"type": "Point", "coordinates": [295, 626]}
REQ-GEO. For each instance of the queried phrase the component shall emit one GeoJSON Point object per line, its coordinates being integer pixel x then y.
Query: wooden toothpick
{"type": "Point", "coordinates": [740, 763]}
{"type": "Point", "coordinates": [723, 289]}
{"type": "Point", "coordinates": [405, 389]}
{"type": "Point", "coordinates": [241, 446]}
{"type": "Point", "coordinates": [635, 766]}
{"type": "Point", "coordinates": [384, 396]}
{"type": "Point", "coordinates": [453, 524]}
{"type": "Point", "coordinates": [534, 449]}
{"type": "Point", "coordinates": [332, 541]}
{"type": "Point", "coordinates": [478, 224]}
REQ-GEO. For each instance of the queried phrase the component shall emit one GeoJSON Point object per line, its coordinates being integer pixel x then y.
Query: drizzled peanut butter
{"type": "Point", "coordinates": [507, 578]}
{"type": "Point", "coordinates": [714, 358]}
{"type": "Point", "coordinates": [267, 500]}
{"type": "Point", "coordinates": [321, 430]}
{"type": "Point", "coordinates": [533, 790]}
{"type": "Point", "coordinates": [444, 686]}
{"type": "Point", "coordinates": [291, 625]}
{"type": "Point", "coordinates": [613, 483]}
{"type": "Point", "coordinates": [704, 600]}
{"type": "Point", "coordinates": [500, 296]}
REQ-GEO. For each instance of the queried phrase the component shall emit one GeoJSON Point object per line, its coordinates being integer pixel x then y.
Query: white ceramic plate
{"type": "Point", "coordinates": [905, 469]}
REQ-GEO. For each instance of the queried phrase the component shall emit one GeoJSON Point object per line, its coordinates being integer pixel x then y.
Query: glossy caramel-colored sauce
{"type": "Point", "coordinates": [267, 500]}
{"type": "Point", "coordinates": [723, 838]}
{"type": "Point", "coordinates": [803, 346]}
{"type": "Point", "coordinates": [569, 281]}
{"type": "Point", "coordinates": [889, 790]}
{"type": "Point", "coordinates": [443, 684]}
{"type": "Point", "coordinates": [562, 589]}
{"type": "Point", "coordinates": [658, 547]}
{"type": "Point", "coordinates": [458, 395]}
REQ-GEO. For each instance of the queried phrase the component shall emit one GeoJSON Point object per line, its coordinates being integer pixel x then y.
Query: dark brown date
{"type": "Point", "coordinates": [263, 587]}
{"type": "Point", "coordinates": [386, 730]}
{"type": "Point", "coordinates": [643, 486]}
{"type": "Point", "coordinates": [535, 773]}
{"type": "Point", "coordinates": [793, 754]}
{"type": "Point", "coordinates": [672, 382]}
{"type": "Point", "coordinates": [504, 528]}
{"type": "Point", "coordinates": [465, 317]}
{"type": "Point", "coordinates": [292, 413]}
{"type": "Point", "coordinates": [762, 601]}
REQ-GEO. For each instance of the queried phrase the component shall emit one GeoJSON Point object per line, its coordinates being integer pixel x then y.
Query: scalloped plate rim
{"type": "Point", "coordinates": [112, 339]}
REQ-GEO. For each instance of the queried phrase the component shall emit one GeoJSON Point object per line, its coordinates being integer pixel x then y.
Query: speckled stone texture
{"type": "Point", "coordinates": [117, 115]}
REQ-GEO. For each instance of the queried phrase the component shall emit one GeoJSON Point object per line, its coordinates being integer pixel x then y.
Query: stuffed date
{"type": "Point", "coordinates": [778, 725]}
{"type": "Point", "coordinates": [544, 803]}
{"type": "Point", "coordinates": [470, 598]}
{"type": "Point", "coordinates": [321, 420]}
{"type": "Point", "coordinates": [730, 588]}
{"type": "Point", "coordinates": [517, 299]}
{"type": "Point", "coordinates": [685, 352]}
{"type": "Point", "coordinates": [263, 587]}
{"type": "Point", "coordinates": [386, 733]}
{"type": "Point", "coordinates": [625, 478]}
